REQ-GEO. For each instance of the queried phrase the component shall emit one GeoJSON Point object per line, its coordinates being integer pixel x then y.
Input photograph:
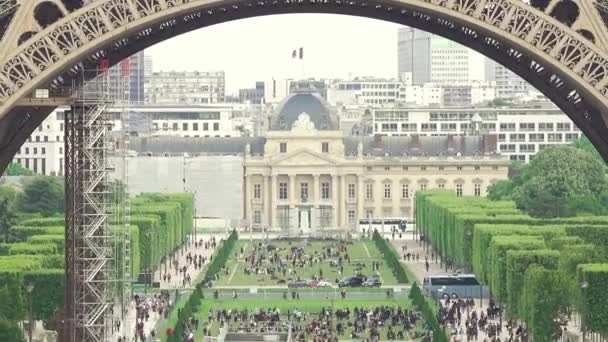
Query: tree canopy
{"type": "Point", "coordinates": [42, 195]}
{"type": "Point", "coordinates": [559, 181]}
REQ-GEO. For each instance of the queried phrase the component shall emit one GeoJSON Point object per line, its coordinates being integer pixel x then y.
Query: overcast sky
{"type": "Point", "coordinates": [260, 48]}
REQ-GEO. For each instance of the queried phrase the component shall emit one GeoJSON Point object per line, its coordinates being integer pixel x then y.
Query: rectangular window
{"type": "Point", "coordinates": [185, 126]}
{"type": "Point", "coordinates": [35, 150]}
{"type": "Point", "coordinates": [477, 189]}
{"type": "Point", "coordinates": [37, 138]}
{"type": "Point", "coordinates": [205, 126]}
{"type": "Point", "coordinates": [283, 190]}
{"type": "Point", "coordinates": [304, 192]}
{"type": "Point", "coordinates": [502, 137]}
{"type": "Point", "coordinates": [175, 127]}
{"type": "Point", "coordinates": [387, 191]}
{"type": "Point", "coordinates": [563, 126]}
{"type": "Point", "coordinates": [458, 190]}
{"type": "Point", "coordinates": [554, 137]}
{"type": "Point", "coordinates": [257, 217]}
{"type": "Point", "coordinates": [369, 191]}
{"type": "Point", "coordinates": [283, 147]}
{"type": "Point", "coordinates": [325, 147]}
{"type": "Point", "coordinates": [387, 168]}
{"type": "Point", "coordinates": [43, 150]}
{"type": "Point", "coordinates": [571, 137]}
{"type": "Point", "coordinates": [216, 126]}
{"type": "Point", "coordinates": [405, 191]}
{"type": "Point", "coordinates": [46, 138]}
{"type": "Point", "coordinates": [545, 126]}
{"type": "Point", "coordinates": [195, 126]}
{"type": "Point", "coordinates": [422, 186]}
{"type": "Point", "coordinates": [507, 127]}
{"type": "Point", "coordinates": [351, 191]}
{"type": "Point", "coordinates": [441, 185]}
{"type": "Point", "coordinates": [257, 191]}
{"type": "Point", "coordinates": [324, 190]}
{"type": "Point", "coordinates": [351, 217]}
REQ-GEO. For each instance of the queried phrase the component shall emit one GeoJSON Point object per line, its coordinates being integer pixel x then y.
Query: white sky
{"type": "Point", "coordinates": [260, 48]}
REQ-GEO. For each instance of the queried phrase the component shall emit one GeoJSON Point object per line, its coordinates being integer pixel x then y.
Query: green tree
{"type": "Point", "coordinates": [10, 331]}
{"type": "Point", "coordinates": [583, 143]}
{"type": "Point", "coordinates": [42, 195]}
{"type": "Point", "coordinates": [7, 218]}
{"type": "Point", "coordinates": [555, 180]}
{"type": "Point", "coordinates": [501, 190]}
{"type": "Point", "coordinates": [15, 169]}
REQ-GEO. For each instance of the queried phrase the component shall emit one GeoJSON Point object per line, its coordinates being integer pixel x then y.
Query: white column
{"type": "Point", "coordinates": [344, 216]}
{"type": "Point", "coordinates": [292, 191]}
{"type": "Point", "coordinates": [266, 204]}
{"type": "Point", "coordinates": [334, 199]}
{"type": "Point", "coordinates": [273, 201]}
{"type": "Point", "coordinates": [360, 198]}
{"type": "Point", "coordinates": [315, 190]}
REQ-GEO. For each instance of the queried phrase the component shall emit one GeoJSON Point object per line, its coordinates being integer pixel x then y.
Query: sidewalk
{"type": "Point", "coordinates": [127, 329]}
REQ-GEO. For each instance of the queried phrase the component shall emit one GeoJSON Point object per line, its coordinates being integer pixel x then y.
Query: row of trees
{"type": "Point", "coordinates": [535, 266]}
{"type": "Point", "coordinates": [560, 181]}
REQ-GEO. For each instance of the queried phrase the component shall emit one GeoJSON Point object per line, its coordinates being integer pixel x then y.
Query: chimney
{"type": "Point", "coordinates": [489, 143]}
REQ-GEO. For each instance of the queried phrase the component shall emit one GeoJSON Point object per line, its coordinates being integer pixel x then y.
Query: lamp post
{"type": "Point", "coordinates": [584, 286]}
{"type": "Point", "coordinates": [30, 289]}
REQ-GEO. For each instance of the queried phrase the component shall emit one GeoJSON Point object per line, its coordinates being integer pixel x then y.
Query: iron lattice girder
{"type": "Point", "coordinates": [506, 30]}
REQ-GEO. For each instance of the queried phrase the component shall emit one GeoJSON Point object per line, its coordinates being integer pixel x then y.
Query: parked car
{"type": "Point", "coordinates": [372, 282]}
{"type": "Point", "coordinates": [297, 284]}
{"type": "Point", "coordinates": [323, 283]}
{"type": "Point", "coordinates": [355, 281]}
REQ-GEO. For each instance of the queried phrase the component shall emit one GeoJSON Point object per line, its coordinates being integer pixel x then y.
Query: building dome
{"type": "Point", "coordinates": [310, 103]}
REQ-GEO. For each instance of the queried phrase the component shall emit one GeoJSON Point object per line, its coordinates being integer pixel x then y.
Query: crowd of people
{"type": "Point", "coordinates": [366, 324]}
{"type": "Point", "coordinates": [146, 308]}
{"type": "Point", "coordinates": [193, 260]}
{"type": "Point", "coordinates": [286, 262]}
{"type": "Point", "coordinates": [461, 316]}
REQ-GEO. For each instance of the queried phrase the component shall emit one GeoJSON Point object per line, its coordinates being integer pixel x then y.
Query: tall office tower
{"type": "Point", "coordinates": [414, 55]}
{"type": "Point", "coordinates": [131, 71]}
{"type": "Point", "coordinates": [435, 59]}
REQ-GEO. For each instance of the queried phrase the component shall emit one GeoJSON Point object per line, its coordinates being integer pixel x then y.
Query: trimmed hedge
{"type": "Point", "coordinates": [390, 257]}
{"type": "Point", "coordinates": [194, 301]}
{"type": "Point", "coordinates": [427, 311]}
{"type": "Point", "coordinates": [499, 247]}
{"type": "Point", "coordinates": [32, 249]}
{"type": "Point", "coordinates": [518, 262]}
{"type": "Point", "coordinates": [595, 296]}
{"type": "Point", "coordinates": [57, 240]}
{"type": "Point", "coordinates": [562, 241]}
{"type": "Point", "coordinates": [25, 232]}
{"type": "Point", "coordinates": [151, 244]}
{"type": "Point", "coordinates": [542, 300]}
{"type": "Point", "coordinates": [48, 294]}
{"type": "Point", "coordinates": [58, 221]}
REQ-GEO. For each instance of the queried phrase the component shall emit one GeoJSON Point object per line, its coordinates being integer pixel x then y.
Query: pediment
{"type": "Point", "coordinates": [302, 158]}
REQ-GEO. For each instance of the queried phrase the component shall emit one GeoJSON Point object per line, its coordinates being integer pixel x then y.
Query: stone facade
{"type": "Point", "coordinates": [309, 179]}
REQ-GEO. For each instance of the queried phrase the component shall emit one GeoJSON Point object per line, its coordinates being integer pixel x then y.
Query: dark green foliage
{"type": "Point", "coordinates": [15, 169]}
{"type": "Point", "coordinates": [23, 233]}
{"type": "Point", "coordinates": [542, 301]}
{"type": "Point", "coordinates": [32, 249]}
{"type": "Point", "coordinates": [11, 299]}
{"type": "Point", "coordinates": [428, 313]}
{"type": "Point", "coordinates": [501, 190]}
{"type": "Point", "coordinates": [55, 221]}
{"type": "Point", "coordinates": [10, 331]}
{"type": "Point", "coordinates": [560, 242]}
{"type": "Point", "coordinates": [221, 256]}
{"type": "Point", "coordinates": [390, 257]}
{"type": "Point", "coordinates": [7, 219]}
{"type": "Point", "coordinates": [595, 296]}
{"type": "Point", "coordinates": [47, 297]}
{"type": "Point", "coordinates": [57, 240]}
{"type": "Point", "coordinates": [42, 195]}
{"type": "Point", "coordinates": [518, 262]}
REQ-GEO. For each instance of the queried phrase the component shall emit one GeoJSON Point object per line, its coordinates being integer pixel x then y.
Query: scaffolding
{"type": "Point", "coordinates": [98, 263]}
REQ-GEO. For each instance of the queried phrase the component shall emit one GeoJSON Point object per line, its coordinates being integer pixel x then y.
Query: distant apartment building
{"type": "Point", "coordinates": [508, 84]}
{"type": "Point", "coordinates": [388, 93]}
{"type": "Point", "coordinates": [185, 88]}
{"type": "Point", "coordinates": [43, 151]}
{"type": "Point", "coordinates": [521, 132]}
{"type": "Point", "coordinates": [252, 95]}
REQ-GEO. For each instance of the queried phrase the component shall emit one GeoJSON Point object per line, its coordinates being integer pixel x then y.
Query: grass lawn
{"type": "Point", "coordinates": [363, 252]}
{"type": "Point", "coordinates": [312, 307]}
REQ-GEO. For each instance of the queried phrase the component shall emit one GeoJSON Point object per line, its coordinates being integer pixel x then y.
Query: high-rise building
{"type": "Point", "coordinates": [430, 58]}
{"type": "Point", "coordinates": [187, 87]}
{"type": "Point", "coordinates": [508, 84]}
{"type": "Point", "coordinates": [414, 55]}
{"type": "Point", "coordinates": [128, 76]}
